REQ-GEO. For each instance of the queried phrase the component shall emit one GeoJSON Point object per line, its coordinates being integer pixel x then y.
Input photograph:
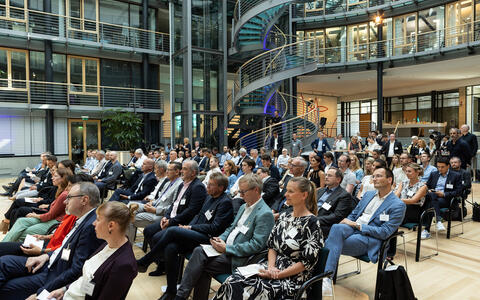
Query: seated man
{"type": "Point", "coordinates": [376, 217]}
{"type": "Point", "coordinates": [349, 179]}
{"type": "Point", "coordinates": [334, 203]}
{"type": "Point", "coordinates": [443, 185]}
{"type": "Point", "coordinates": [142, 187]}
{"type": "Point", "coordinates": [267, 162]}
{"type": "Point", "coordinates": [21, 277]}
{"type": "Point", "coordinates": [160, 199]}
{"type": "Point", "coordinates": [214, 217]}
{"type": "Point", "coordinates": [456, 165]}
{"type": "Point", "coordinates": [427, 167]}
{"type": "Point", "coordinates": [100, 156]}
{"type": "Point", "coordinates": [247, 235]}
{"type": "Point", "coordinates": [189, 198]}
{"type": "Point", "coordinates": [213, 168]}
{"type": "Point", "coordinates": [107, 177]}
{"type": "Point", "coordinates": [271, 189]}
{"type": "Point", "coordinates": [45, 181]}
{"type": "Point", "coordinates": [247, 167]}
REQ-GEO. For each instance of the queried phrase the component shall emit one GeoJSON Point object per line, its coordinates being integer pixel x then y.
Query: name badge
{"type": "Point", "coordinates": [110, 172]}
{"type": "Point", "coordinates": [449, 186]}
{"type": "Point", "coordinates": [384, 217]}
{"type": "Point", "coordinates": [396, 148]}
{"type": "Point", "coordinates": [208, 215]}
{"type": "Point", "coordinates": [292, 232]}
{"type": "Point", "coordinates": [65, 254]}
{"type": "Point", "coordinates": [87, 287]}
{"type": "Point", "coordinates": [463, 181]}
{"type": "Point", "coordinates": [410, 194]}
{"type": "Point", "coordinates": [243, 229]}
{"type": "Point", "coordinates": [183, 201]}
{"type": "Point", "coordinates": [326, 206]}
{"type": "Point", "coordinates": [163, 198]}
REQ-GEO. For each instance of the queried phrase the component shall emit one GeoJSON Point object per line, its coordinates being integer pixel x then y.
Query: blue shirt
{"type": "Point", "coordinates": [442, 180]}
{"type": "Point", "coordinates": [224, 157]}
{"type": "Point", "coordinates": [320, 144]}
{"type": "Point", "coordinates": [426, 172]}
{"type": "Point", "coordinates": [325, 196]}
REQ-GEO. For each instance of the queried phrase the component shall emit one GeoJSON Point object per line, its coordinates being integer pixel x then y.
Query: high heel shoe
{"type": "Point", "coordinates": [4, 226]}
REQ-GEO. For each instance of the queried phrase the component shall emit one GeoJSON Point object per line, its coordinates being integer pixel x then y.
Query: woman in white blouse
{"type": "Point", "coordinates": [109, 273]}
{"type": "Point", "coordinates": [282, 161]}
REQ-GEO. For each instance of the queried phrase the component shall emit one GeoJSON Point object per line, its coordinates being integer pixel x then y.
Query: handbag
{"type": "Point", "coordinates": [476, 212]}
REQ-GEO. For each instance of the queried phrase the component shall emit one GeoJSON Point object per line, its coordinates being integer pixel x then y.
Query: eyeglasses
{"type": "Point", "coordinates": [73, 196]}
{"type": "Point", "coordinates": [243, 192]}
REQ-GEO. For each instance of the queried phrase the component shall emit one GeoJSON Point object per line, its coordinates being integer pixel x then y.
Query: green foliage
{"type": "Point", "coordinates": [124, 128]}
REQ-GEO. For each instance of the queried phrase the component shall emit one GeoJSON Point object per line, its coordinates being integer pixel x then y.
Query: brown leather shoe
{"type": "Point", "coordinates": [4, 226]}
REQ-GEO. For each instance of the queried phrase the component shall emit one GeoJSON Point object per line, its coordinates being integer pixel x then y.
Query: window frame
{"type": "Point", "coordinates": [7, 12]}
{"type": "Point", "coordinates": [84, 75]}
{"type": "Point", "coordinates": [9, 70]}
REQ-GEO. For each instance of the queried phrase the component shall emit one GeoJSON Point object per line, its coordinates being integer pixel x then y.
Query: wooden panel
{"type": "Point", "coordinates": [365, 124]}
{"type": "Point", "coordinates": [409, 115]}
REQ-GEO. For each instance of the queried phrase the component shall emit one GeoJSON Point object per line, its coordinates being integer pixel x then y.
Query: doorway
{"type": "Point", "coordinates": [82, 135]}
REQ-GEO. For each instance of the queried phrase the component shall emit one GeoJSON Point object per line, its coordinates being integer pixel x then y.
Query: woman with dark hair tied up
{"type": "Point", "coordinates": [109, 272]}
{"type": "Point", "coordinates": [293, 248]}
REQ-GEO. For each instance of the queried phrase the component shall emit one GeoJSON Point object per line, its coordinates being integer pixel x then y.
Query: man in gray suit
{"type": "Point", "coordinates": [334, 203]}
{"type": "Point", "coordinates": [246, 236]}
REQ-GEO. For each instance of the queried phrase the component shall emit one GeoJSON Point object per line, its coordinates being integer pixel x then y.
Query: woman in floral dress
{"type": "Point", "coordinates": [294, 245]}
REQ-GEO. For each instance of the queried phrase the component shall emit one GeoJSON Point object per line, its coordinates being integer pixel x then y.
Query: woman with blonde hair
{"type": "Point", "coordinates": [395, 162]}
{"type": "Point", "coordinates": [230, 170]}
{"type": "Point", "coordinates": [293, 248]}
{"type": "Point", "coordinates": [356, 169]}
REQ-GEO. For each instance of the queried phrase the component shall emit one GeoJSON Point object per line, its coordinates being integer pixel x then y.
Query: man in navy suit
{"type": "Point", "coordinates": [443, 185]}
{"type": "Point", "coordinates": [320, 145]}
{"type": "Point", "coordinates": [142, 187]}
{"type": "Point", "coordinates": [392, 147]}
{"type": "Point", "coordinates": [376, 217]}
{"type": "Point", "coordinates": [107, 178]}
{"type": "Point", "coordinates": [214, 217]}
{"type": "Point", "coordinates": [20, 277]}
{"type": "Point", "coordinates": [187, 202]}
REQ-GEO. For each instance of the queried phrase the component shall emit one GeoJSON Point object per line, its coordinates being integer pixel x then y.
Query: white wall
{"type": "Point", "coordinates": [22, 132]}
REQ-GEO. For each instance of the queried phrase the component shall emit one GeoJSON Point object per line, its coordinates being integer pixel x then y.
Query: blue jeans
{"type": "Point", "coordinates": [344, 239]}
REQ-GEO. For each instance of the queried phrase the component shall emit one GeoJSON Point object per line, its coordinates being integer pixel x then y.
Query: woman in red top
{"type": "Point", "coordinates": [39, 224]}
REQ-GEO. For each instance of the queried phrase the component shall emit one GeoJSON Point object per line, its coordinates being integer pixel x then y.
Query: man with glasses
{"type": "Point", "coordinates": [20, 277]}
{"type": "Point", "coordinates": [458, 147]}
{"type": "Point", "coordinates": [246, 236]}
{"type": "Point", "coordinates": [349, 179]}
{"type": "Point", "coordinates": [334, 203]}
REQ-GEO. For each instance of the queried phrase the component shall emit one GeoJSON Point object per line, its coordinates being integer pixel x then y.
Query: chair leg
{"type": "Point", "coordinates": [419, 241]}
{"type": "Point", "coordinates": [405, 252]}
{"type": "Point", "coordinates": [449, 224]}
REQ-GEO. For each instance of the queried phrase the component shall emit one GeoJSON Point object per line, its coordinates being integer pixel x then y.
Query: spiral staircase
{"type": "Point", "coordinates": [256, 92]}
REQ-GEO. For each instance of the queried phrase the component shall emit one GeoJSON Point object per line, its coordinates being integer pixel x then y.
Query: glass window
{"type": "Point", "coordinates": [37, 66]}
{"type": "Point", "coordinates": [459, 22]}
{"type": "Point", "coordinates": [83, 17]}
{"type": "Point", "coordinates": [404, 33]}
{"type": "Point", "coordinates": [357, 4]}
{"type": "Point", "coordinates": [59, 68]}
{"type": "Point", "coordinates": [335, 44]}
{"type": "Point", "coordinates": [314, 5]}
{"type": "Point", "coordinates": [396, 104]}
{"type": "Point", "coordinates": [114, 12]}
{"type": "Point", "coordinates": [17, 9]}
{"type": "Point", "coordinates": [135, 16]}
{"type": "Point", "coordinates": [335, 6]}
{"type": "Point", "coordinates": [3, 68]}
{"type": "Point", "coordinates": [13, 68]}
{"type": "Point", "coordinates": [207, 18]}
{"type": "Point", "coordinates": [83, 75]}
{"type": "Point", "coordinates": [430, 28]}
{"type": "Point", "coordinates": [357, 42]}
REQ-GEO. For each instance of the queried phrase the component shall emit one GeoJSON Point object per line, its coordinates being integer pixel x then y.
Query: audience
{"type": "Point", "coordinates": [356, 169]}
{"type": "Point", "coordinates": [214, 168]}
{"type": "Point", "coordinates": [367, 181]}
{"type": "Point", "coordinates": [247, 235]}
{"type": "Point", "coordinates": [230, 170]}
{"type": "Point", "coordinates": [267, 162]}
{"type": "Point", "coordinates": [282, 161]}
{"type": "Point", "coordinates": [271, 189]}
{"type": "Point", "coordinates": [427, 167]}
{"type": "Point", "coordinates": [296, 147]}
{"type": "Point", "coordinates": [399, 173]}
{"type": "Point", "coordinates": [316, 174]}
{"type": "Point", "coordinates": [349, 179]}
{"type": "Point", "coordinates": [354, 145]}
{"type": "Point", "coordinates": [391, 148]}
{"type": "Point", "coordinates": [328, 159]}
{"type": "Point", "coordinates": [141, 188]}
{"type": "Point", "coordinates": [320, 145]}
{"type": "Point", "coordinates": [458, 147]}
{"type": "Point", "coordinates": [107, 178]}
{"type": "Point", "coordinates": [471, 140]}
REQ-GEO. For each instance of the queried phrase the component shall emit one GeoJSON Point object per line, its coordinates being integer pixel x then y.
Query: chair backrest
{"type": "Point", "coordinates": [315, 291]}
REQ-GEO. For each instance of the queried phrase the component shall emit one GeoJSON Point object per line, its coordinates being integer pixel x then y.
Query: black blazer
{"type": "Point", "coordinates": [271, 190]}
{"type": "Point", "coordinates": [115, 276]}
{"type": "Point", "coordinates": [114, 171]}
{"type": "Point", "coordinates": [221, 216]}
{"type": "Point", "coordinates": [194, 197]}
{"type": "Point", "coordinates": [274, 172]}
{"type": "Point", "coordinates": [45, 181]}
{"type": "Point", "coordinates": [279, 144]}
{"type": "Point", "coordinates": [342, 205]}
{"type": "Point", "coordinates": [204, 164]}
{"type": "Point", "coordinates": [453, 178]}
{"type": "Point", "coordinates": [104, 171]}
{"type": "Point", "coordinates": [397, 148]}
{"type": "Point", "coordinates": [145, 189]}
{"type": "Point", "coordinates": [82, 243]}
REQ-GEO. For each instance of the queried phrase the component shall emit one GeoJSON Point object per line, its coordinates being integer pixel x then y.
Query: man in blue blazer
{"type": "Point", "coordinates": [214, 217]}
{"type": "Point", "coordinates": [443, 185]}
{"type": "Point", "coordinates": [142, 187]}
{"type": "Point", "coordinates": [247, 235]}
{"type": "Point", "coordinates": [20, 277]}
{"type": "Point", "coordinates": [320, 145]}
{"type": "Point", "coordinates": [377, 216]}
{"type": "Point", "coordinates": [107, 178]}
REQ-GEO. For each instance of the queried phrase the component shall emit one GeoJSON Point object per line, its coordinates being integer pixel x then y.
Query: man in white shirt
{"type": "Point", "coordinates": [391, 148]}
{"type": "Point", "coordinates": [100, 156]}
{"type": "Point", "coordinates": [399, 173]}
{"type": "Point", "coordinates": [140, 158]}
{"type": "Point", "coordinates": [213, 168]}
{"type": "Point", "coordinates": [349, 178]}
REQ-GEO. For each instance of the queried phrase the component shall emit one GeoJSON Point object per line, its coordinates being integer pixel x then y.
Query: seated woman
{"type": "Point", "coordinates": [356, 169]}
{"type": "Point", "coordinates": [35, 223]}
{"type": "Point", "coordinates": [230, 171]}
{"type": "Point", "coordinates": [316, 174]}
{"type": "Point", "coordinates": [354, 144]}
{"type": "Point", "coordinates": [367, 180]}
{"type": "Point", "coordinates": [111, 270]}
{"type": "Point", "coordinates": [412, 192]}
{"type": "Point", "coordinates": [293, 245]}
{"type": "Point", "coordinates": [282, 161]}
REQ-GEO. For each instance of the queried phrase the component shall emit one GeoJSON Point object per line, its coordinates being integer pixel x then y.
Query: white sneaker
{"type": "Point", "coordinates": [327, 289]}
{"type": "Point", "coordinates": [440, 226]}
{"type": "Point", "coordinates": [425, 235]}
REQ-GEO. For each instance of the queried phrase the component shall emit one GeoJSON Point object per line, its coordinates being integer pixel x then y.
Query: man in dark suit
{"type": "Point", "coordinates": [455, 164]}
{"type": "Point", "coordinates": [276, 142]}
{"type": "Point", "coordinates": [142, 187]}
{"type": "Point", "coordinates": [214, 217]}
{"type": "Point", "coordinates": [189, 199]}
{"type": "Point", "coordinates": [470, 139]}
{"type": "Point", "coordinates": [107, 179]}
{"type": "Point", "coordinates": [271, 189]}
{"type": "Point", "coordinates": [443, 185]}
{"type": "Point", "coordinates": [459, 148]}
{"type": "Point", "coordinates": [267, 162]}
{"type": "Point", "coordinates": [20, 277]}
{"type": "Point", "coordinates": [320, 145]}
{"type": "Point", "coordinates": [334, 203]}
{"type": "Point", "coordinates": [204, 164]}
{"type": "Point", "coordinates": [391, 148]}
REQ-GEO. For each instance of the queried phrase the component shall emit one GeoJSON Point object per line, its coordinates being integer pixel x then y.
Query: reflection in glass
{"type": "Point", "coordinates": [335, 43]}
{"type": "Point", "coordinates": [76, 73]}
{"type": "Point", "coordinates": [19, 69]}
{"type": "Point", "coordinates": [3, 68]}
{"type": "Point", "coordinates": [404, 33]}
{"type": "Point", "coordinates": [92, 135]}
{"type": "Point", "coordinates": [76, 140]}
{"type": "Point", "coordinates": [430, 28]}
{"type": "Point", "coordinates": [90, 76]}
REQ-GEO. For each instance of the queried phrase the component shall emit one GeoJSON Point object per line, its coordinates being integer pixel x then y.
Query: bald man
{"type": "Point", "coordinates": [142, 187]}
{"type": "Point", "coordinates": [108, 178]}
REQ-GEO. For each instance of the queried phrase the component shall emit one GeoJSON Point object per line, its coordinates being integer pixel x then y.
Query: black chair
{"type": "Point", "coordinates": [449, 213]}
{"type": "Point", "coordinates": [313, 286]}
{"type": "Point", "coordinates": [418, 226]}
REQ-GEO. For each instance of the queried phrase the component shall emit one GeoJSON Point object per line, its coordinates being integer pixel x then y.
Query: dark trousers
{"type": "Point", "coordinates": [117, 193]}
{"type": "Point", "coordinates": [170, 243]}
{"type": "Point", "coordinates": [11, 248]}
{"type": "Point", "coordinates": [437, 204]}
{"type": "Point", "coordinates": [101, 187]}
{"type": "Point", "coordinates": [15, 281]}
{"type": "Point", "coordinates": [199, 271]}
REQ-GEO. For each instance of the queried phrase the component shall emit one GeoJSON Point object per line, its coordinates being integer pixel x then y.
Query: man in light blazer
{"type": "Point", "coordinates": [376, 217]}
{"type": "Point", "coordinates": [246, 236]}
{"type": "Point", "coordinates": [334, 203]}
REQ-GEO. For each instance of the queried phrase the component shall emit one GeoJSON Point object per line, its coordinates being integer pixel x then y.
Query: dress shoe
{"type": "Point", "coordinates": [157, 272]}
{"type": "Point", "coordinates": [7, 188]}
{"type": "Point", "coordinates": [167, 296]}
{"type": "Point", "coordinates": [6, 194]}
{"type": "Point", "coordinates": [141, 267]}
{"type": "Point", "coordinates": [179, 298]}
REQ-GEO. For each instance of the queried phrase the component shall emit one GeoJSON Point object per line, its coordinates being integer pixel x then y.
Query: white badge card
{"type": "Point", "coordinates": [243, 229]}
{"type": "Point", "coordinates": [384, 217]}
{"type": "Point", "coordinates": [163, 198]}
{"type": "Point", "coordinates": [326, 206]}
{"type": "Point", "coordinates": [87, 287]}
{"type": "Point", "coordinates": [208, 215]}
{"type": "Point", "coordinates": [183, 201]}
{"type": "Point", "coordinates": [65, 254]}
{"type": "Point", "coordinates": [449, 186]}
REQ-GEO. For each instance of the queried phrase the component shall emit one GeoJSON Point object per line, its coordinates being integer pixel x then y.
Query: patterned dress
{"type": "Point", "coordinates": [294, 240]}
